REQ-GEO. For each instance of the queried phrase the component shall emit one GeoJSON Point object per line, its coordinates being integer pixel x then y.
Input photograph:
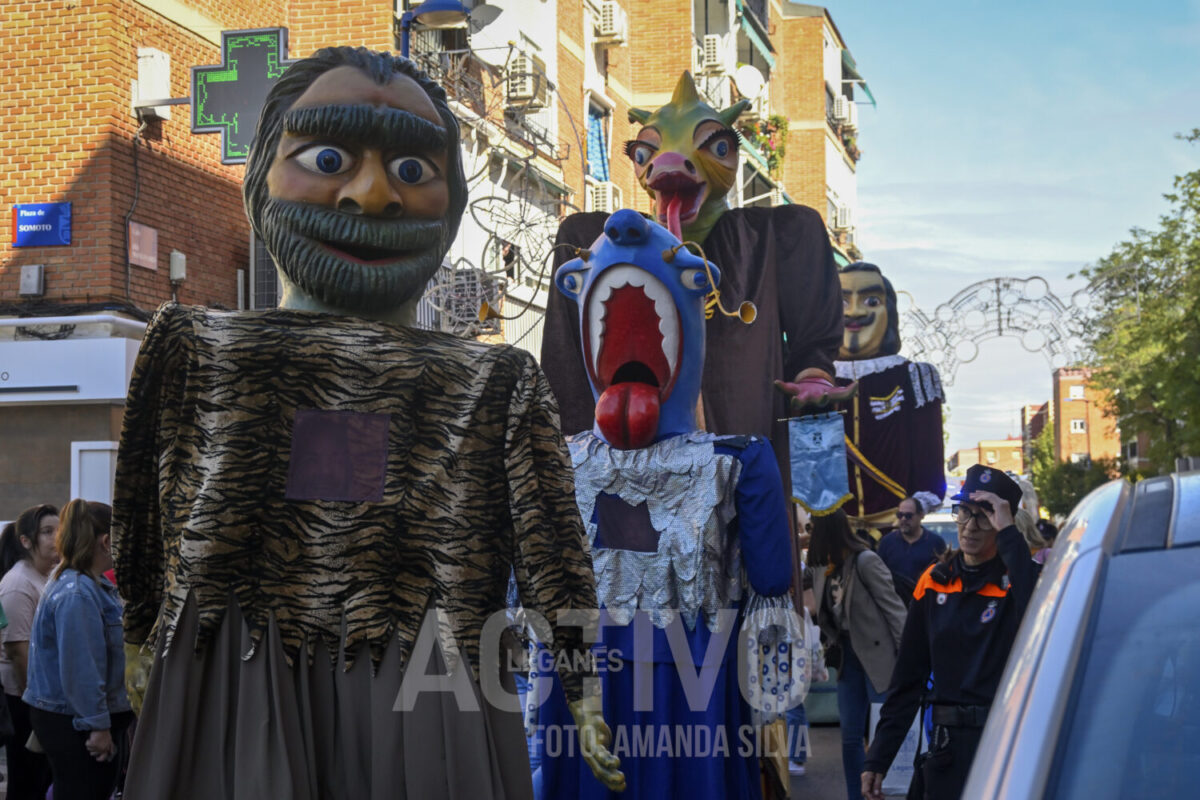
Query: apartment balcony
{"type": "Point", "coordinates": [759, 9]}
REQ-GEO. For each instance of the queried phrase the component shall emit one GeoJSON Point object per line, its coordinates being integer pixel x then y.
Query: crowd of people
{"type": "Point", "coordinates": [62, 665]}
{"type": "Point", "coordinates": [907, 623]}
{"type": "Point", "coordinates": [913, 625]}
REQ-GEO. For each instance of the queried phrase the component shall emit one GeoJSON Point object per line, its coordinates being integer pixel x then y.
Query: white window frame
{"type": "Point", "coordinates": [1078, 426]}
{"type": "Point", "coordinates": [86, 459]}
{"type": "Point", "coordinates": [1076, 392]}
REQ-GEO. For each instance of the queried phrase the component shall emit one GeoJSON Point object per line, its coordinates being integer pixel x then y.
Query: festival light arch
{"type": "Point", "coordinates": [1020, 308]}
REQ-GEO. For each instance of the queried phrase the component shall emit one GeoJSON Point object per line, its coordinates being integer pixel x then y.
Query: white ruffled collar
{"type": "Point", "coordinates": [853, 370]}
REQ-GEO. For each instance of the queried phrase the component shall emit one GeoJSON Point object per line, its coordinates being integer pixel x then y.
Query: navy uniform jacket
{"type": "Point", "coordinates": [961, 627]}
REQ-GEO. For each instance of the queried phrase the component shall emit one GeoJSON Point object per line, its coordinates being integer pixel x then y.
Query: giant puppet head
{"type": "Point", "coordinates": [686, 157]}
{"type": "Point", "coordinates": [355, 183]}
{"type": "Point", "coordinates": [641, 318]}
{"type": "Point", "coordinates": [871, 322]}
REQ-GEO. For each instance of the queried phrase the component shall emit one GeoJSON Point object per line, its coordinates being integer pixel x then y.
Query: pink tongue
{"type": "Point", "coordinates": [673, 217]}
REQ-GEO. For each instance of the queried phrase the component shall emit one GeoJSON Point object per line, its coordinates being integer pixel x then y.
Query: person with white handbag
{"type": "Point", "coordinates": [859, 612]}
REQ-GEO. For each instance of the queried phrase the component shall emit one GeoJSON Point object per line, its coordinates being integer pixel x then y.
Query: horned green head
{"type": "Point", "coordinates": [686, 157]}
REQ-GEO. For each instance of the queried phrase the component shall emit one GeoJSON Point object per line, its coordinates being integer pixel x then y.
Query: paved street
{"type": "Point", "coordinates": [823, 779]}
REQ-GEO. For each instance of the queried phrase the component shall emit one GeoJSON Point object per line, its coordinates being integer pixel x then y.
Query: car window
{"type": "Point", "coordinates": [946, 529]}
{"type": "Point", "coordinates": [1187, 519]}
{"type": "Point", "coordinates": [1133, 726]}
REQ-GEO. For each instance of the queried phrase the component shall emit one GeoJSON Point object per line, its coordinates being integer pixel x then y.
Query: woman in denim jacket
{"type": "Point", "coordinates": [76, 681]}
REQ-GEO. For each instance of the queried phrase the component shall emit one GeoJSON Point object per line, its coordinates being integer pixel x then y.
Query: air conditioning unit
{"type": "Point", "coordinates": [841, 108]}
{"type": "Point", "coordinates": [604, 196]}
{"type": "Point", "coordinates": [843, 218]}
{"type": "Point", "coordinates": [777, 196]}
{"type": "Point", "coordinates": [527, 83]}
{"type": "Point", "coordinates": [714, 57]}
{"type": "Point", "coordinates": [612, 26]}
{"type": "Point", "coordinates": [852, 115]}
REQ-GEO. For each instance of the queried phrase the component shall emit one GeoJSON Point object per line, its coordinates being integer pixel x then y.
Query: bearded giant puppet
{"type": "Point", "coordinates": [688, 530]}
{"type": "Point", "coordinates": [894, 423]}
{"type": "Point", "coordinates": [686, 157]}
{"type": "Point", "coordinates": [317, 503]}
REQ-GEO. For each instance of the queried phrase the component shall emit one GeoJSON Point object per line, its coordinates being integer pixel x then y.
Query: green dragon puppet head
{"type": "Point", "coordinates": [686, 157]}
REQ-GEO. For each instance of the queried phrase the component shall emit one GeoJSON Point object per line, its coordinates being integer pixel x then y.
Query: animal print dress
{"type": "Point", "coordinates": [294, 492]}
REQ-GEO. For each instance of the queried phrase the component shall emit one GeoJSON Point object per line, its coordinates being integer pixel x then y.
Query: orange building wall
{"type": "Point", "coordinates": [1100, 439]}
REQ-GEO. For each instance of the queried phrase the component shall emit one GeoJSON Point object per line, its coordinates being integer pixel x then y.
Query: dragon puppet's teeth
{"type": "Point", "coordinates": [664, 306]}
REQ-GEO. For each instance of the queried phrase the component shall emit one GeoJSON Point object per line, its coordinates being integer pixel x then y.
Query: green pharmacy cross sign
{"type": "Point", "coordinates": [227, 98]}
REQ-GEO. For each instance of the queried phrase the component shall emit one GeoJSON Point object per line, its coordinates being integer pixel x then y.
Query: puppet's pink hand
{"type": "Point", "coordinates": [814, 388]}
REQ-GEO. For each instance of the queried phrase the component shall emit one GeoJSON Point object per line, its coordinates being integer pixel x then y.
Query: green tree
{"type": "Point", "coordinates": [1145, 333]}
{"type": "Point", "coordinates": [1060, 484]}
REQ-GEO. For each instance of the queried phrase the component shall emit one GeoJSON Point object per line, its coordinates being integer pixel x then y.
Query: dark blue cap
{"type": "Point", "coordinates": [987, 479]}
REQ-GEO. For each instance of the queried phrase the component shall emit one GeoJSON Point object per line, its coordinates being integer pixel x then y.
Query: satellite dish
{"type": "Point", "coordinates": [481, 17]}
{"type": "Point", "coordinates": [749, 81]}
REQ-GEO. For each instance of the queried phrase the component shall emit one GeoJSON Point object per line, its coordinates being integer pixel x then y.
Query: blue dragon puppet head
{"type": "Point", "coordinates": [641, 318]}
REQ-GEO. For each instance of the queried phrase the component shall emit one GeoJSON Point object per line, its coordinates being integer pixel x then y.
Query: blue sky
{"type": "Point", "coordinates": [1015, 139]}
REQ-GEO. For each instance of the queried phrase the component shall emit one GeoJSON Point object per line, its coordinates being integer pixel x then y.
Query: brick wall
{"type": "Point", "coordinates": [660, 44]}
{"type": "Point", "coordinates": [572, 120]}
{"type": "Point", "coordinates": [68, 136]}
{"type": "Point", "coordinates": [37, 449]}
{"type": "Point", "coordinates": [1100, 438]}
{"type": "Point", "coordinates": [619, 75]}
{"type": "Point", "coordinates": [798, 90]}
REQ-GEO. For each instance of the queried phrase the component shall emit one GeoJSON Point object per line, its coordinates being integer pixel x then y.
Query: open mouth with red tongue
{"type": "Point", "coordinates": [677, 200]}
{"type": "Point", "coordinates": [632, 350]}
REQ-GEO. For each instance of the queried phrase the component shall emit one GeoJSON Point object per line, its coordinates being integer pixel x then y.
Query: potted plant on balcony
{"type": "Point", "coordinates": [769, 137]}
{"type": "Point", "coordinates": [850, 142]}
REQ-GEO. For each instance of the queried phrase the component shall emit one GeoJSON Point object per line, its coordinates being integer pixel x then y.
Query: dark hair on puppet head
{"type": "Point", "coordinates": [890, 345]}
{"type": "Point", "coordinates": [380, 67]}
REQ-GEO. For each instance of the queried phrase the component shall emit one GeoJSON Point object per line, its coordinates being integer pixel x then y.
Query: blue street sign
{"type": "Point", "coordinates": [41, 224]}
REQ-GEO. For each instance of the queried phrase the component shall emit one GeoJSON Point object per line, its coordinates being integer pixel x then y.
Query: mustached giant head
{"type": "Point", "coordinates": [641, 317]}
{"type": "Point", "coordinates": [686, 157]}
{"type": "Point", "coordinates": [871, 322]}
{"type": "Point", "coordinates": [355, 182]}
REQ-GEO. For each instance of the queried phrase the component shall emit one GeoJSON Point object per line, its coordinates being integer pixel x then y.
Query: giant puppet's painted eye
{"type": "Point", "coordinates": [694, 279]}
{"type": "Point", "coordinates": [571, 282]}
{"type": "Point", "coordinates": [640, 152]}
{"type": "Point", "coordinates": [324, 159]}
{"type": "Point", "coordinates": [873, 301]}
{"type": "Point", "coordinates": [412, 170]}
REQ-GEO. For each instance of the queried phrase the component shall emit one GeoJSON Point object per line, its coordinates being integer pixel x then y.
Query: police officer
{"type": "Point", "coordinates": [961, 626]}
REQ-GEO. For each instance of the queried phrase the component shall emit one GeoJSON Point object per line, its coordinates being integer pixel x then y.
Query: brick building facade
{"type": "Point", "coordinates": [534, 150]}
{"type": "Point", "coordinates": [1003, 454]}
{"type": "Point", "coordinates": [1082, 431]}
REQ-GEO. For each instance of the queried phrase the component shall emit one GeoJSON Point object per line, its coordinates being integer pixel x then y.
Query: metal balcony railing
{"type": "Point", "coordinates": [522, 126]}
{"type": "Point", "coordinates": [464, 77]}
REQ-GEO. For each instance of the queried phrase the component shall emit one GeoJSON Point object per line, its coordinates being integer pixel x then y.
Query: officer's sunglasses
{"type": "Point", "coordinates": [964, 515]}
{"type": "Point", "coordinates": [905, 515]}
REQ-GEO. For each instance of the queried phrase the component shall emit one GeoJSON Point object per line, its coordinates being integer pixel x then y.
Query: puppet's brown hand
{"type": "Point", "coordinates": [814, 389]}
{"type": "Point", "coordinates": [138, 660]}
{"type": "Point", "coordinates": [594, 738]}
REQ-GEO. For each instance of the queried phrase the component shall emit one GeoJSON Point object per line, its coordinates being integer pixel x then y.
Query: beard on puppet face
{"type": "Point", "coordinates": [349, 261]}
